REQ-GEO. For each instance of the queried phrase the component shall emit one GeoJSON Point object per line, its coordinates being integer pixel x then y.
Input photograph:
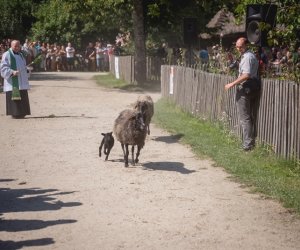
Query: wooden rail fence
{"type": "Point", "coordinates": [125, 68]}
{"type": "Point", "coordinates": [203, 95]}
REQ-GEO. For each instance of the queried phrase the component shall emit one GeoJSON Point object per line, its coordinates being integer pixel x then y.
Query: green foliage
{"type": "Point", "coordinates": [288, 21]}
{"type": "Point", "coordinates": [78, 21]}
{"type": "Point", "coordinates": [16, 18]}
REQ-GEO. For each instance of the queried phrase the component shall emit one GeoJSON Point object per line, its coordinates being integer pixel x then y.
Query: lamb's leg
{"type": "Point", "coordinates": [132, 154]}
{"type": "Point", "coordinates": [107, 153]}
{"type": "Point", "coordinates": [148, 129]}
{"type": "Point", "coordinates": [137, 154]}
{"type": "Point", "coordinates": [126, 155]}
{"type": "Point", "coordinates": [100, 148]}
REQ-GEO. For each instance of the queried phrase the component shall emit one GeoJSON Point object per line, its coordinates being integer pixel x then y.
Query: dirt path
{"type": "Point", "coordinates": [56, 193]}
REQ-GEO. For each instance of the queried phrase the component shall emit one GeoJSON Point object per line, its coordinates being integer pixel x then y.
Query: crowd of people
{"type": "Point", "coordinates": [273, 61]}
{"type": "Point", "coordinates": [58, 57]}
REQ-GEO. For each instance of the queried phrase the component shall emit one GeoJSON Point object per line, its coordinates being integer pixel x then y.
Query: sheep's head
{"type": "Point", "coordinates": [141, 107]}
{"type": "Point", "coordinates": [139, 121]}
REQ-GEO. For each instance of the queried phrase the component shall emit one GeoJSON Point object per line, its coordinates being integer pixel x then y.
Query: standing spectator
{"type": "Point", "coordinates": [162, 52]}
{"type": "Point", "coordinates": [43, 50]}
{"type": "Point", "coordinates": [60, 59]}
{"type": "Point", "coordinates": [247, 92]}
{"type": "Point", "coordinates": [63, 55]}
{"type": "Point", "coordinates": [52, 54]}
{"type": "Point", "coordinates": [14, 71]}
{"type": "Point", "coordinates": [70, 56]}
{"type": "Point", "coordinates": [99, 56]}
{"type": "Point", "coordinates": [110, 49]}
{"type": "Point", "coordinates": [90, 56]}
{"type": "Point", "coordinates": [296, 58]}
{"type": "Point", "coordinates": [106, 59]}
{"type": "Point", "coordinates": [48, 60]}
{"type": "Point", "coordinates": [204, 58]}
{"type": "Point", "coordinates": [27, 51]}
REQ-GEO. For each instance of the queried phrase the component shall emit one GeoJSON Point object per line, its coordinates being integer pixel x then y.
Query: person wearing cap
{"type": "Point", "coordinates": [14, 71]}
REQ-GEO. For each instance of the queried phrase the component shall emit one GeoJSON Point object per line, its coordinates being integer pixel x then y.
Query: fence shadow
{"type": "Point", "coordinates": [168, 166]}
{"type": "Point", "coordinates": [59, 116]}
{"type": "Point", "coordinates": [149, 86]}
{"type": "Point", "coordinates": [12, 245]}
{"type": "Point", "coordinates": [32, 199]}
{"type": "Point", "coordinates": [29, 225]}
{"type": "Point", "coordinates": [7, 180]}
{"type": "Point", "coordinates": [37, 76]}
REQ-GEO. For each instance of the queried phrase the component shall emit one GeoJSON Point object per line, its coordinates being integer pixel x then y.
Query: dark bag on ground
{"type": "Point", "coordinates": [252, 85]}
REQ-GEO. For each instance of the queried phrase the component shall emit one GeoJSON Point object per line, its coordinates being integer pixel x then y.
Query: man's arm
{"type": "Point", "coordinates": [239, 80]}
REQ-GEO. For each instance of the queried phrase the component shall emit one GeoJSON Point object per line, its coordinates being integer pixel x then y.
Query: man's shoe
{"type": "Point", "coordinates": [248, 148]}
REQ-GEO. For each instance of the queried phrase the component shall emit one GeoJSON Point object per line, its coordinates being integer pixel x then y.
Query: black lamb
{"type": "Point", "coordinates": [108, 142]}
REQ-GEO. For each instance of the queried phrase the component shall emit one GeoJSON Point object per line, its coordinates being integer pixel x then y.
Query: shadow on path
{"type": "Point", "coordinates": [30, 200]}
{"type": "Point", "coordinates": [28, 225]}
{"type": "Point", "coordinates": [42, 76]}
{"type": "Point", "coordinates": [12, 245]}
{"type": "Point", "coordinates": [168, 166]}
{"type": "Point", "coordinates": [7, 180]}
{"type": "Point", "coordinates": [59, 116]}
{"type": "Point", "coordinates": [168, 138]}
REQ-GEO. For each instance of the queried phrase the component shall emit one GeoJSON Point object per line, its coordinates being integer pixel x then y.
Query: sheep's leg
{"type": "Point", "coordinates": [148, 130]}
{"type": "Point", "coordinates": [132, 154]}
{"type": "Point", "coordinates": [126, 155]}
{"type": "Point", "coordinates": [123, 149]}
{"type": "Point", "coordinates": [138, 154]}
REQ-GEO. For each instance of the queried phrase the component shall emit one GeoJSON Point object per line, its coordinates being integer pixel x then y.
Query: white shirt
{"type": "Point", "coordinates": [6, 71]}
{"type": "Point", "coordinates": [248, 64]}
{"type": "Point", "coordinates": [70, 52]}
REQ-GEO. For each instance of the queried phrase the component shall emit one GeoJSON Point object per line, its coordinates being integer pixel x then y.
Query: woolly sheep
{"type": "Point", "coordinates": [145, 105]}
{"type": "Point", "coordinates": [108, 142]}
{"type": "Point", "coordinates": [130, 129]}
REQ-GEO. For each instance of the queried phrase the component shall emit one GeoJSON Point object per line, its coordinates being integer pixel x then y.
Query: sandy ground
{"type": "Point", "coordinates": [56, 193]}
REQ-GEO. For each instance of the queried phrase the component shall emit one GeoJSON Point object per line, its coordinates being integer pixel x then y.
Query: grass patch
{"type": "Point", "coordinates": [109, 81]}
{"type": "Point", "coordinates": [259, 169]}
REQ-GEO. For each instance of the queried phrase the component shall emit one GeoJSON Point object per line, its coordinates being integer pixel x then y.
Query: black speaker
{"type": "Point", "coordinates": [256, 14]}
{"type": "Point", "coordinates": [190, 34]}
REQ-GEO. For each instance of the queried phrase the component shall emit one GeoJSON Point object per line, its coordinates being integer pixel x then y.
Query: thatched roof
{"type": "Point", "coordinates": [223, 23]}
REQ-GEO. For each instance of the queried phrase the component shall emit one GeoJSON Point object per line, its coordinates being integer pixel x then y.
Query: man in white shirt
{"type": "Point", "coordinates": [70, 56]}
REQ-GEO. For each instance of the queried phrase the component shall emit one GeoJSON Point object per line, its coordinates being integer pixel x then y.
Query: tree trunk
{"type": "Point", "coordinates": [139, 42]}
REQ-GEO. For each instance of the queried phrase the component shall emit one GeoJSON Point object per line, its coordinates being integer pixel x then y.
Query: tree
{"type": "Point", "coordinates": [16, 18]}
{"type": "Point", "coordinates": [139, 41]}
{"type": "Point", "coordinates": [78, 21]}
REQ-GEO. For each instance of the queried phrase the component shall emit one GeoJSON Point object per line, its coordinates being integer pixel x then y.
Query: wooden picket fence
{"type": "Point", "coordinates": [126, 68]}
{"type": "Point", "coordinates": [203, 95]}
